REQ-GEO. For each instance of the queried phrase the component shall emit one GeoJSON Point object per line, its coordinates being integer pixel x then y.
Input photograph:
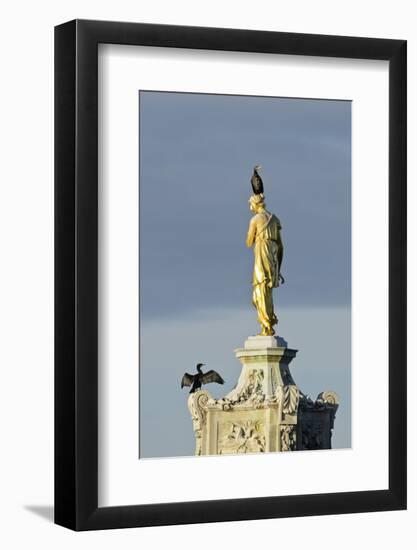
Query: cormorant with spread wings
{"type": "Point", "coordinates": [197, 380]}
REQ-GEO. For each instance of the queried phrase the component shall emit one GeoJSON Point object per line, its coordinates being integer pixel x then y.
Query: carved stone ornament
{"type": "Point", "coordinates": [312, 437]}
{"type": "Point", "coordinates": [329, 397]}
{"type": "Point", "coordinates": [248, 392]}
{"type": "Point", "coordinates": [288, 438]}
{"type": "Point", "coordinates": [197, 403]}
{"type": "Point", "coordinates": [241, 437]}
{"type": "Point", "coordinates": [290, 399]}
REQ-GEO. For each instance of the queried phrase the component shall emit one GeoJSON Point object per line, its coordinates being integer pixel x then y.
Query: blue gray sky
{"type": "Point", "coordinates": [197, 154]}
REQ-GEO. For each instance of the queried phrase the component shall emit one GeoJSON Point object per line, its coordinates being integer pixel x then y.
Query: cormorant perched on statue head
{"type": "Point", "coordinates": [256, 181]}
{"type": "Point", "coordinates": [197, 380]}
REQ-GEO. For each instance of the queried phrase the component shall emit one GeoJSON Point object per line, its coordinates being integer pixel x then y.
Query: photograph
{"type": "Point", "coordinates": [245, 274]}
{"type": "Point", "coordinates": [230, 274]}
{"type": "Point", "coordinates": [209, 297]}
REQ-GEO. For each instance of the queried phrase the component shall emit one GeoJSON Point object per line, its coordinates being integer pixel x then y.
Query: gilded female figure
{"type": "Point", "coordinates": [264, 235]}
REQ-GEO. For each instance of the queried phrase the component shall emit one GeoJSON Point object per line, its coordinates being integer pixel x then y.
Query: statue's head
{"type": "Point", "coordinates": [257, 202]}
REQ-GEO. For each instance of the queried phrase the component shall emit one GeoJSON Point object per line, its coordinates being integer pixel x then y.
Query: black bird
{"type": "Point", "coordinates": [197, 380]}
{"type": "Point", "coordinates": [256, 181]}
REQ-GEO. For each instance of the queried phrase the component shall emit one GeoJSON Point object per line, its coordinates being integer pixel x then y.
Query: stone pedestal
{"type": "Point", "coordinates": [265, 412]}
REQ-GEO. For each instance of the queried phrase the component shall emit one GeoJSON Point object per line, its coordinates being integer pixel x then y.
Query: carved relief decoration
{"type": "Point", "coordinates": [250, 391]}
{"type": "Point", "coordinates": [253, 388]}
{"type": "Point", "coordinates": [312, 437]}
{"type": "Point", "coordinates": [291, 396]}
{"type": "Point", "coordinates": [288, 438]}
{"type": "Point", "coordinates": [241, 437]}
{"type": "Point", "coordinates": [288, 397]}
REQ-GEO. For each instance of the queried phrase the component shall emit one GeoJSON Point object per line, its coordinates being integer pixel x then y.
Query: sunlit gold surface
{"type": "Point", "coordinates": [265, 236]}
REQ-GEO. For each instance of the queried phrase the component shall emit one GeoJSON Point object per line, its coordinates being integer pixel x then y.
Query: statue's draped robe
{"type": "Point", "coordinates": [268, 251]}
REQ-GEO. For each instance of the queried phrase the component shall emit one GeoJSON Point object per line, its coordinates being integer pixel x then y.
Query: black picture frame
{"type": "Point", "coordinates": [76, 272]}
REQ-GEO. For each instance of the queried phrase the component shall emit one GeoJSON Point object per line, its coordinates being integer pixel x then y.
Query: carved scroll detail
{"type": "Point", "coordinates": [197, 406]}
{"type": "Point", "coordinates": [329, 397]}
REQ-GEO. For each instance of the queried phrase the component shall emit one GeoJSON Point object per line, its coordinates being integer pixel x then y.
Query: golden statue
{"type": "Point", "coordinates": [264, 235]}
